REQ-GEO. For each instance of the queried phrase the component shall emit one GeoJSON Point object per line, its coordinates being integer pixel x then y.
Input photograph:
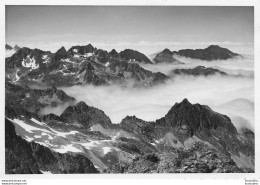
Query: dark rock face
{"type": "Point", "coordinates": [128, 54]}
{"type": "Point", "coordinates": [249, 134]}
{"type": "Point", "coordinates": [81, 49]}
{"type": "Point", "coordinates": [136, 72]}
{"type": "Point", "coordinates": [199, 159]}
{"type": "Point", "coordinates": [16, 47]}
{"type": "Point", "coordinates": [60, 54]}
{"type": "Point", "coordinates": [33, 100]}
{"type": "Point", "coordinates": [114, 53]}
{"type": "Point", "coordinates": [195, 118]}
{"type": "Point", "coordinates": [198, 71]}
{"type": "Point", "coordinates": [213, 52]}
{"type": "Point", "coordinates": [133, 124]}
{"type": "Point", "coordinates": [24, 157]}
{"type": "Point", "coordinates": [8, 47]}
{"type": "Point", "coordinates": [185, 121]}
{"type": "Point", "coordinates": [166, 56]}
{"type": "Point", "coordinates": [85, 115]}
{"type": "Point", "coordinates": [102, 56]}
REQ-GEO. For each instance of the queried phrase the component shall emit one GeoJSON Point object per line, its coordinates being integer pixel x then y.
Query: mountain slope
{"type": "Point", "coordinates": [213, 52]}
{"type": "Point", "coordinates": [24, 157]}
{"type": "Point", "coordinates": [166, 56]}
{"type": "Point", "coordinates": [197, 71]}
{"type": "Point", "coordinates": [184, 134]}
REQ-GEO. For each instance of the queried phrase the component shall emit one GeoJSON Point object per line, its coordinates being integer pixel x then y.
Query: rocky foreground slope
{"type": "Point", "coordinates": [190, 138]}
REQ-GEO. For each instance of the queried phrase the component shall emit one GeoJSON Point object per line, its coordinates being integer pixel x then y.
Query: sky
{"type": "Point", "coordinates": [145, 28]}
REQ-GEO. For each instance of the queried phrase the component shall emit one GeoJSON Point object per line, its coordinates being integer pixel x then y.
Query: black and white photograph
{"type": "Point", "coordinates": [114, 89]}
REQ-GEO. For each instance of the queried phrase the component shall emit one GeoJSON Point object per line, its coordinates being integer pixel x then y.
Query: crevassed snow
{"type": "Point", "coordinates": [67, 148]}
{"type": "Point", "coordinates": [64, 134]}
{"type": "Point", "coordinates": [27, 127]}
{"type": "Point", "coordinates": [106, 149]}
{"type": "Point", "coordinates": [36, 121]}
{"type": "Point", "coordinates": [31, 64]}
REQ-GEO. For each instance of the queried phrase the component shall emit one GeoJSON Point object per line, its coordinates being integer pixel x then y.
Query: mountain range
{"type": "Point", "coordinates": [190, 138]}
{"type": "Point", "coordinates": [88, 65]}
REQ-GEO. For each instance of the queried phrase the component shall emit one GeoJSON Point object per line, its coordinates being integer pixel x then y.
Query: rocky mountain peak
{"type": "Point", "coordinates": [128, 54]}
{"type": "Point", "coordinates": [16, 47]}
{"type": "Point", "coordinates": [213, 52]}
{"type": "Point", "coordinates": [61, 50]}
{"type": "Point", "coordinates": [60, 54]}
{"type": "Point", "coordinates": [114, 53]}
{"type": "Point", "coordinates": [167, 51]}
{"type": "Point", "coordinates": [85, 115]}
{"type": "Point", "coordinates": [192, 118]}
{"type": "Point", "coordinates": [213, 46]}
{"type": "Point", "coordinates": [8, 47]}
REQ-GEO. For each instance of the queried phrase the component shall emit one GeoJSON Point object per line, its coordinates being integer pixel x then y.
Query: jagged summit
{"type": "Point", "coordinates": [166, 56]}
{"type": "Point", "coordinates": [167, 51]}
{"type": "Point", "coordinates": [213, 52]}
{"type": "Point", "coordinates": [8, 47]}
{"type": "Point", "coordinates": [213, 46]}
{"type": "Point", "coordinates": [81, 49]}
{"type": "Point", "coordinates": [133, 54]}
{"type": "Point", "coordinates": [198, 71]}
{"type": "Point", "coordinates": [16, 47]}
{"type": "Point", "coordinates": [114, 53]}
{"type": "Point", "coordinates": [85, 115]}
{"type": "Point", "coordinates": [195, 117]}
{"type": "Point", "coordinates": [62, 49]}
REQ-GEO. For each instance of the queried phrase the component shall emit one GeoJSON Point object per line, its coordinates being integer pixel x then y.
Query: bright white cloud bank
{"type": "Point", "coordinates": [233, 96]}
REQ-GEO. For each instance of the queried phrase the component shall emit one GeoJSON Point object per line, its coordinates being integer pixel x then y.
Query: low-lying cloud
{"type": "Point", "coordinates": [230, 95]}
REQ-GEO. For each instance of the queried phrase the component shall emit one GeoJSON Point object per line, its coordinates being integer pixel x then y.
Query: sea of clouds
{"type": "Point", "coordinates": [231, 95]}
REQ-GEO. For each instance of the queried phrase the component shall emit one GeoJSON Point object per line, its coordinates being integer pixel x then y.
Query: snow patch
{"type": "Point", "coordinates": [16, 77]}
{"type": "Point", "coordinates": [75, 50]}
{"type": "Point", "coordinates": [37, 122]}
{"type": "Point", "coordinates": [64, 134]}
{"type": "Point", "coordinates": [106, 149]}
{"type": "Point", "coordinates": [67, 148]}
{"type": "Point", "coordinates": [46, 59]}
{"type": "Point", "coordinates": [30, 63]}
{"type": "Point", "coordinates": [88, 54]}
{"type": "Point", "coordinates": [29, 139]}
{"type": "Point", "coordinates": [45, 172]}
